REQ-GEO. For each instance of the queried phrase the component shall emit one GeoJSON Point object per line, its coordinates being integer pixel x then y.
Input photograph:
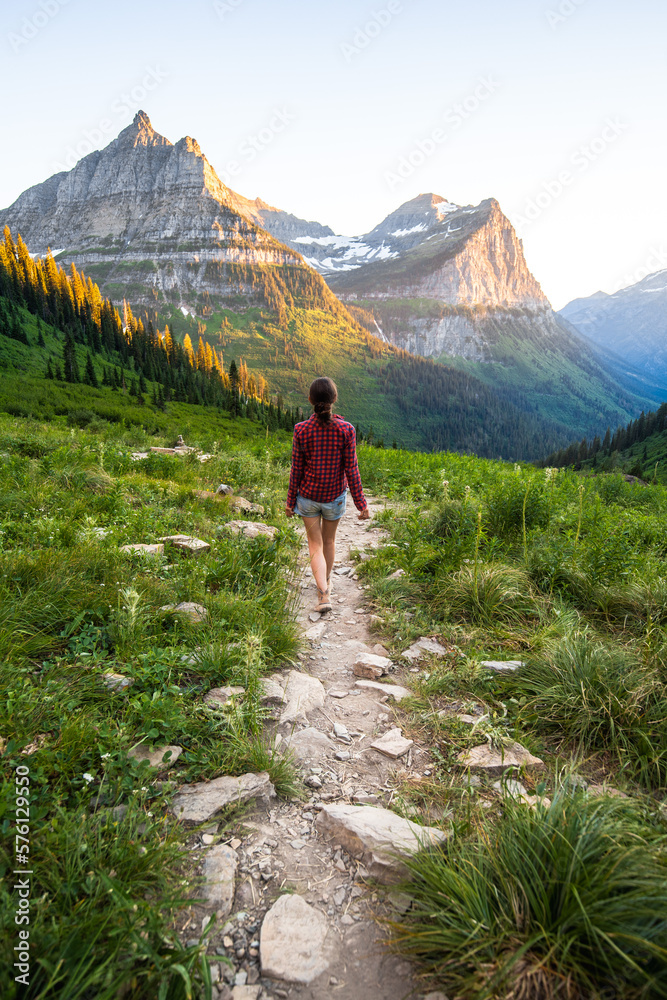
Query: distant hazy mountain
{"type": "Point", "coordinates": [631, 322]}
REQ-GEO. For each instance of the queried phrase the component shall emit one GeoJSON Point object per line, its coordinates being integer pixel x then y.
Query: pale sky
{"type": "Point", "coordinates": [554, 107]}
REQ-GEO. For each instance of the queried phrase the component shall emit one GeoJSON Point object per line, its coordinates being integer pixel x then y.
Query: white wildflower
{"type": "Point", "coordinates": [88, 777]}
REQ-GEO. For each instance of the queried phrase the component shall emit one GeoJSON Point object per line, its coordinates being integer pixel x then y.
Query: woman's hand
{"type": "Point", "coordinates": [289, 511]}
{"type": "Point", "coordinates": [364, 515]}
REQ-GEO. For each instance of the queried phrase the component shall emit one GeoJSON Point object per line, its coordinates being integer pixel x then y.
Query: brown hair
{"type": "Point", "coordinates": [323, 394]}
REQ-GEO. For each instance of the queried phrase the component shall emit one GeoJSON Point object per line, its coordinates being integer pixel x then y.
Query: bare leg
{"type": "Point", "coordinates": [318, 565]}
{"type": "Point", "coordinates": [329, 529]}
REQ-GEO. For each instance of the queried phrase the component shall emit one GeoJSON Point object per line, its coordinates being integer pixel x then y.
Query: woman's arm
{"type": "Point", "coordinates": [296, 473]}
{"type": "Point", "coordinates": [352, 472]}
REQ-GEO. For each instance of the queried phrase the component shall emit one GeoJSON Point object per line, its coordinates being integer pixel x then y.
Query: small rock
{"type": "Point", "coordinates": [221, 695]}
{"type": "Point", "coordinates": [273, 692]}
{"type": "Point", "coordinates": [314, 616]}
{"type": "Point", "coordinates": [316, 632]}
{"type": "Point", "coordinates": [496, 762]}
{"type": "Point", "coordinates": [370, 667]}
{"type": "Point", "coordinates": [393, 744]}
{"type": "Point", "coordinates": [313, 781]}
{"type": "Point", "coordinates": [338, 694]}
{"type": "Point", "coordinates": [251, 529]}
{"type": "Point", "coordinates": [241, 504]}
{"type": "Point", "coordinates": [421, 646]}
{"type": "Point", "coordinates": [343, 755]}
{"type": "Point", "coordinates": [197, 613]}
{"type": "Point", "coordinates": [502, 666]}
{"type": "Point", "coordinates": [155, 756]}
{"type": "Point", "coordinates": [117, 682]}
{"type": "Point", "coordinates": [303, 694]}
{"type": "Point", "coordinates": [149, 550]}
{"type": "Point", "coordinates": [298, 844]}
{"type": "Point", "coordinates": [309, 744]}
{"type": "Point", "coordinates": [188, 544]}
{"type": "Point", "coordinates": [394, 691]}
{"type": "Point", "coordinates": [220, 866]}
{"type": "Point", "coordinates": [241, 978]}
{"type": "Point", "coordinates": [340, 731]}
{"type": "Point", "coordinates": [606, 790]}
{"type": "Point", "coordinates": [207, 839]}
{"type": "Point", "coordinates": [246, 992]}
{"type": "Point", "coordinates": [396, 575]}
{"type": "Point", "coordinates": [293, 941]}
{"type": "Point", "coordinates": [197, 803]}
{"type": "Point", "coordinates": [510, 787]}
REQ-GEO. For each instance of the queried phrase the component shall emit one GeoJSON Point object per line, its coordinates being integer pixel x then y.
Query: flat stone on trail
{"type": "Point", "coordinates": [394, 691]}
{"type": "Point", "coordinates": [421, 646]}
{"type": "Point", "coordinates": [314, 616]}
{"type": "Point", "coordinates": [292, 944]}
{"type": "Point", "coordinates": [154, 757]}
{"type": "Point", "coordinates": [316, 632]}
{"type": "Point", "coordinates": [221, 695]}
{"type": "Point", "coordinates": [496, 762]}
{"type": "Point", "coordinates": [310, 744]}
{"type": "Point", "coordinates": [199, 802]}
{"type": "Point", "coordinates": [187, 543]}
{"type": "Point", "coordinates": [303, 694]}
{"type": "Point", "coordinates": [252, 529]}
{"type": "Point", "coordinates": [378, 837]}
{"type": "Point", "coordinates": [195, 612]}
{"type": "Point", "coordinates": [370, 666]}
{"type": "Point", "coordinates": [392, 744]}
{"type": "Point", "coordinates": [502, 666]}
{"type": "Point", "coordinates": [338, 694]}
{"type": "Point", "coordinates": [149, 550]}
{"type": "Point", "coordinates": [220, 866]}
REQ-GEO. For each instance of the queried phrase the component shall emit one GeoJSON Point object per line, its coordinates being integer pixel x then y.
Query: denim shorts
{"type": "Point", "coordinates": [331, 511]}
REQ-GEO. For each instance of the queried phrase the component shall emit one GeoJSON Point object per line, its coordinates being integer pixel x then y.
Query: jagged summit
{"type": "Point", "coordinates": [151, 220]}
{"type": "Point", "coordinates": [140, 133]}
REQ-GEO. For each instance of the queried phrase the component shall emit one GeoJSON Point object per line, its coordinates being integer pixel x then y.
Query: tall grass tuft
{"type": "Point", "coordinates": [568, 901]}
{"type": "Point", "coordinates": [486, 593]}
{"type": "Point", "coordinates": [600, 696]}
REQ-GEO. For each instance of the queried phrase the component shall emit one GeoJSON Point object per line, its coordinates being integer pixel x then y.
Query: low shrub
{"type": "Point", "coordinates": [567, 901]}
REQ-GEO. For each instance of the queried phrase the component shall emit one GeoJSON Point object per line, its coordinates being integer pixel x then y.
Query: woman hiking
{"type": "Point", "coordinates": [324, 463]}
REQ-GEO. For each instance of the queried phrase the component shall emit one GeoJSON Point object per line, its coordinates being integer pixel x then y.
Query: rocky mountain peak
{"type": "Point", "coordinates": [140, 133]}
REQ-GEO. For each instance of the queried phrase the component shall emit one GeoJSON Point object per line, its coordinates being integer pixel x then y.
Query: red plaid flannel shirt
{"type": "Point", "coordinates": [324, 462]}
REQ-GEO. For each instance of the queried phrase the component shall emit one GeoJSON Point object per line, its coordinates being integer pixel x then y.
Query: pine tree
{"type": "Point", "coordinates": [70, 364]}
{"type": "Point", "coordinates": [91, 375]}
{"type": "Point", "coordinates": [49, 370]}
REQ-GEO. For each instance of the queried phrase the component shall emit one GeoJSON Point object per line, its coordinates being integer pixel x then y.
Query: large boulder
{"type": "Point", "coordinates": [378, 837]}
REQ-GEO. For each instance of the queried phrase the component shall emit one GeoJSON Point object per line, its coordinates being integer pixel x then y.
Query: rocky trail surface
{"type": "Point", "coordinates": [299, 887]}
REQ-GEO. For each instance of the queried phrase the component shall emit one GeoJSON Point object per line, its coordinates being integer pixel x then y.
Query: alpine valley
{"type": "Point", "coordinates": [432, 324]}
